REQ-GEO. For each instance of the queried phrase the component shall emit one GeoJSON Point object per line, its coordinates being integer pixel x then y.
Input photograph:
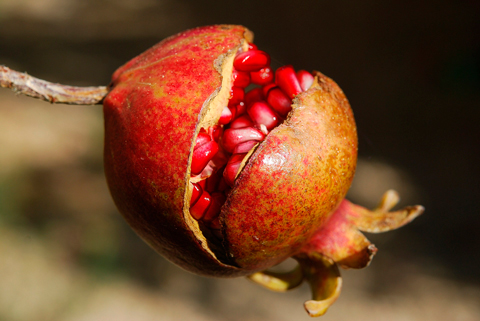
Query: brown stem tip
{"type": "Point", "coordinates": [55, 93]}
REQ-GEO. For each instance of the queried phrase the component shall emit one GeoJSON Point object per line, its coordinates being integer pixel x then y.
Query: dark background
{"type": "Point", "coordinates": [411, 70]}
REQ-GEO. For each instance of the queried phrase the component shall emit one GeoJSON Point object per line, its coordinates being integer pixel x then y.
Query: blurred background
{"type": "Point", "coordinates": [411, 70]}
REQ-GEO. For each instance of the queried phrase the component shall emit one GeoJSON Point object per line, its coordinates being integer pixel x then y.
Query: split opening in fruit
{"type": "Point", "coordinates": [260, 100]}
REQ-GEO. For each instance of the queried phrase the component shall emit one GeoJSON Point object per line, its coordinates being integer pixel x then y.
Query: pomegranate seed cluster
{"type": "Point", "coordinates": [219, 150]}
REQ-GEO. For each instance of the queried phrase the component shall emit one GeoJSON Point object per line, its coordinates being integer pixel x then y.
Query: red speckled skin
{"type": "Point", "coordinates": [150, 118]}
{"type": "Point", "coordinates": [294, 180]}
{"type": "Point", "coordinates": [287, 190]}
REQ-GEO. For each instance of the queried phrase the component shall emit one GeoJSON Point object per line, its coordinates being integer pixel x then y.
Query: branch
{"type": "Point", "coordinates": [55, 93]}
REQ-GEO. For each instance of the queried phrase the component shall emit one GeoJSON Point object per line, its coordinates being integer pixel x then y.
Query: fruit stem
{"type": "Point", "coordinates": [55, 93]}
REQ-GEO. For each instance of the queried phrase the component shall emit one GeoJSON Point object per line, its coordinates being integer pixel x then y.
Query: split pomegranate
{"type": "Point", "coordinates": [227, 166]}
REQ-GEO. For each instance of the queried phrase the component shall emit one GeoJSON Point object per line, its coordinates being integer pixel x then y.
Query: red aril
{"type": "Point", "coordinates": [242, 121]}
{"type": "Point", "coordinates": [305, 79]}
{"type": "Point", "coordinates": [196, 193]}
{"type": "Point", "coordinates": [233, 111]}
{"type": "Point", "coordinates": [201, 206]}
{"type": "Point", "coordinates": [244, 147]}
{"type": "Point", "coordinates": [252, 60]}
{"type": "Point", "coordinates": [253, 96]}
{"type": "Point", "coordinates": [232, 168]}
{"type": "Point", "coordinates": [261, 113]}
{"type": "Point", "coordinates": [240, 78]}
{"type": "Point", "coordinates": [279, 101]}
{"type": "Point", "coordinates": [218, 199]}
{"type": "Point", "coordinates": [202, 155]}
{"type": "Point", "coordinates": [240, 109]}
{"type": "Point", "coordinates": [262, 77]}
{"type": "Point", "coordinates": [235, 136]}
{"type": "Point", "coordinates": [266, 89]}
{"type": "Point", "coordinates": [237, 95]}
{"type": "Point", "coordinates": [202, 138]}
{"type": "Point", "coordinates": [216, 132]}
{"type": "Point", "coordinates": [226, 116]}
{"type": "Point", "coordinates": [286, 79]}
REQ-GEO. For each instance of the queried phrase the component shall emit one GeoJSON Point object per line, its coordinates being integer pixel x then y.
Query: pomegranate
{"type": "Point", "coordinates": [177, 117]}
{"type": "Point", "coordinates": [228, 180]}
{"type": "Point", "coordinates": [228, 167]}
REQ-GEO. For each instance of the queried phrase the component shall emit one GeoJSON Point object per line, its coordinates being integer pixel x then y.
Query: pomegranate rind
{"type": "Point", "coordinates": [152, 115]}
{"type": "Point", "coordinates": [294, 180]}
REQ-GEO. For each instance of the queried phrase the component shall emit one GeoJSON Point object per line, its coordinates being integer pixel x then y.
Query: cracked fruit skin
{"type": "Point", "coordinates": [287, 190]}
